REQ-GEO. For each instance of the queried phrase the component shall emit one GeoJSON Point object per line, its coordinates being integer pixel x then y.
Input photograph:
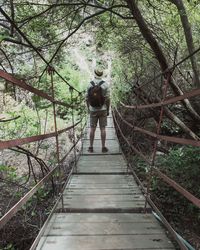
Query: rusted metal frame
{"type": "Point", "coordinates": [25, 198]}
{"type": "Point", "coordinates": [17, 142]}
{"type": "Point", "coordinates": [151, 203]}
{"type": "Point", "coordinates": [166, 224]}
{"type": "Point", "coordinates": [51, 71]}
{"type": "Point", "coordinates": [42, 230]}
{"type": "Point", "coordinates": [150, 173]}
{"type": "Point", "coordinates": [165, 87]}
{"type": "Point", "coordinates": [177, 187]}
{"type": "Point", "coordinates": [36, 241]}
{"type": "Point", "coordinates": [81, 129]}
{"type": "Point", "coordinates": [131, 146]}
{"type": "Point", "coordinates": [24, 85]}
{"type": "Point", "coordinates": [181, 141]}
{"type": "Point", "coordinates": [170, 100]}
{"type": "Point", "coordinates": [71, 96]}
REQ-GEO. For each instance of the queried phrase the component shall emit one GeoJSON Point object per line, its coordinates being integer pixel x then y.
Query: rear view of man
{"type": "Point", "coordinates": [98, 103]}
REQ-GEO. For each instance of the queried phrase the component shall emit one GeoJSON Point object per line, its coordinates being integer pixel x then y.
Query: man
{"type": "Point", "coordinates": [99, 113]}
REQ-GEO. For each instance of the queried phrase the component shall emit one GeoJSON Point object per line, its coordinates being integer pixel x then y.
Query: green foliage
{"type": "Point", "coordinates": [9, 247]}
{"type": "Point", "coordinates": [182, 165]}
{"type": "Point", "coordinates": [183, 160]}
{"type": "Point", "coordinates": [3, 36]}
{"type": "Point", "coordinates": [39, 196]}
{"type": "Point", "coordinates": [9, 172]}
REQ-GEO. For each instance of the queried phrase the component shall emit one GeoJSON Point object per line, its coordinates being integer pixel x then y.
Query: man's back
{"type": "Point", "coordinates": [105, 92]}
{"type": "Point", "coordinates": [98, 114]}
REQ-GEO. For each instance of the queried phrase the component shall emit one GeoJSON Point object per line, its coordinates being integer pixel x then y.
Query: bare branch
{"type": "Point", "coordinates": [9, 120]}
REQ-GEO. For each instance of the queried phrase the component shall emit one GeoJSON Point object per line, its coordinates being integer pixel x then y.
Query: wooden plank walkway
{"type": "Point", "coordinates": [103, 206]}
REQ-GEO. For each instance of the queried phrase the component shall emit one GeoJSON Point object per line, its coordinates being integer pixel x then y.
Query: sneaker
{"type": "Point", "coordinates": [104, 150]}
{"type": "Point", "coordinates": [90, 149]}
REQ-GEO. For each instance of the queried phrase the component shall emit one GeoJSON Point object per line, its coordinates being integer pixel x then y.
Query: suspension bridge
{"type": "Point", "coordinates": [102, 203]}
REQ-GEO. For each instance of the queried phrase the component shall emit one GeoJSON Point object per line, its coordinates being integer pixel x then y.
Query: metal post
{"type": "Point", "coordinates": [51, 72]}
{"type": "Point", "coordinates": [164, 90]}
{"type": "Point", "coordinates": [81, 118]}
{"type": "Point", "coordinates": [71, 91]}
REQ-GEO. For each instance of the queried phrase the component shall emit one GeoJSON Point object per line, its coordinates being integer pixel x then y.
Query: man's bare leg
{"type": "Point", "coordinates": [103, 139]}
{"type": "Point", "coordinates": [103, 136]}
{"type": "Point", "coordinates": [92, 134]}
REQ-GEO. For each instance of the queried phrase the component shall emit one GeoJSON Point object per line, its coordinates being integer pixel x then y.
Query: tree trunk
{"type": "Point", "coordinates": [170, 116]}
{"type": "Point", "coordinates": [147, 34]}
{"type": "Point", "coordinates": [188, 37]}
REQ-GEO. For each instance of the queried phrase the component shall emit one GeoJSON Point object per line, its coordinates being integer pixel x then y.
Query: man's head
{"type": "Point", "coordinates": [98, 73]}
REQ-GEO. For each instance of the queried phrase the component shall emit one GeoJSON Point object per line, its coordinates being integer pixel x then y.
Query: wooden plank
{"type": "Point", "coordinates": [103, 198]}
{"type": "Point", "coordinates": [103, 211]}
{"type": "Point", "coordinates": [110, 242]}
{"type": "Point", "coordinates": [112, 146]}
{"type": "Point", "coordinates": [114, 204]}
{"type": "Point", "coordinates": [78, 191]}
{"type": "Point", "coordinates": [100, 185]}
{"type": "Point", "coordinates": [101, 169]}
{"type": "Point", "coordinates": [104, 217]}
{"type": "Point", "coordinates": [110, 178]}
{"type": "Point", "coordinates": [101, 158]}
{"type": "Point", "coordinates": [103, 228]}
{"type": "Point", "coordinates": [97, 143]}
{"type": "Point", "coordinates": [110, 133]}
{"type": "Point", "coordinates": [102, 164]}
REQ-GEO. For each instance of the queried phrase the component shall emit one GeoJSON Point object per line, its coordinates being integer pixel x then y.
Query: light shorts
{"type": "Point", "coordinates": [100, 116]}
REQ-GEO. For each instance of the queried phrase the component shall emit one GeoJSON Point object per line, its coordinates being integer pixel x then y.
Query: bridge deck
{"type": "Point", "coordinates": [103, 206]}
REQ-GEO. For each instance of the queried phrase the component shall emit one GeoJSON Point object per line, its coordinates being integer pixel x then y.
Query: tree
{"type": "Point", "coordinates": [147, 34]}
{"type": "Point", "coordinates": [188, 37]}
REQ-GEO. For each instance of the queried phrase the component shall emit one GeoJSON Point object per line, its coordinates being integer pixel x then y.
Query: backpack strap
{"type": "Point", "coordinates": [100, 83]}
{"type": "Point", "coordinates": [92, 83]}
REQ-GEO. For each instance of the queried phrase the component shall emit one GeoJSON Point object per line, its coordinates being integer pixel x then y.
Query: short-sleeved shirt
{"type": "Point", "coordinates": [105, 92]}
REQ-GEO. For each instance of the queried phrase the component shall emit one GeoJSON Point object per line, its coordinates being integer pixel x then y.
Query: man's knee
{"type": "Point", "coordinates": [92, 129]}
{"type": "Point", "coordinates": [103, 129]}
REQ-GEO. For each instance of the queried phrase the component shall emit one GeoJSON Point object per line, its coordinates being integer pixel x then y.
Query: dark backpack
{"type": "Point", "coordinates": [95, 95]}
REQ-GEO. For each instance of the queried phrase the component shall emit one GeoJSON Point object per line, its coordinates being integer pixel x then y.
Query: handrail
{"type": "Point", "coordinates": [169, 181]}
{"type": "Point", "coordinates": [18, 142]}
{"type": "Point", "coordinates": [24, 85]}
{"type": "Point", "coordinates": [131, 146]}
{"type": "Point", "coordinates": [168, 100]}
{"type": "Point", "coordinates": [25, 198]}
{"type": "Point", "coordinates": [177, 187]}
{"type": "Point", "coordinates": [173, 139]}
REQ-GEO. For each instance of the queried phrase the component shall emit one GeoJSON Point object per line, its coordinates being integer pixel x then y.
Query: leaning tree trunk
{"type": "Point", "coordinates": [188, 37]}
{"type": "Point", "coordinates": [170, 115]}
{"type": "Point", "coordinates": [147, 34]}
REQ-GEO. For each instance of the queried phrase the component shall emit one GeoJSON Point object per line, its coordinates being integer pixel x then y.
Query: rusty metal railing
{"type": "Point", "coordinates": [17, 142]}
{"type": "Point", "coordinates": [159, 106]}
